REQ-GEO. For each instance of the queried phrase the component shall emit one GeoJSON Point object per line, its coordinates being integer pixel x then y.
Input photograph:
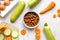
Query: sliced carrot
{"type": "Point", "coordinates": [38, 36]}
{"type": "Point", "coordinates": [54, 15]}
{"type": "Point", "coordinates": [23, 31]}
{"type": "Point", "coordinates": [58, 12]}
{"type": "Point", "coordinates": [37, 30]}
{"type": "Point", "coordinates": [49, 7]}
{"type": "Point", "coordinates": [8, 38]}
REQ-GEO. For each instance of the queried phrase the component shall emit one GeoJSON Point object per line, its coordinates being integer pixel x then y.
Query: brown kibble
{"type": "Point", "coordinates": [58, 12]}
{"type": "Point", "coordinates": [23, 31]}
{"type": "Point", "coordinates": [37, 30]}
{"type": "Point", "coordinates": [54, 15]}
{"type": "Point", "coordinates": [31, 19]}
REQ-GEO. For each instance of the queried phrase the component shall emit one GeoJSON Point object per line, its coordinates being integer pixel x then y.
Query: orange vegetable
{"type": "Point", "coordinates": [8, 38]}
{"type": "Point", "coordinates": [58, 12]}
{"type": "Point", "coordinates": [6, 2]}
{"type": "Point", "coordinates": [49, 7]}
{"type": "Point", "coordinates": [37, 36]}
{"type": "Point", "coordinates": [54, 15]}
{"type": "Point", "coordinates": [2, 7]}
{"type": "Point", "coordinates": [23, 31]}
{"type": "Point", "coordinates": [37, 30]}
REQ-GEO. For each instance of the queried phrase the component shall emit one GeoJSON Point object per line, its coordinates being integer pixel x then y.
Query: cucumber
{"type": "Point", "coordinates": [7, 32]}
{"type": "Point", "coordinates": [15, 38]}
{"type": "Point", "coordinates": [17, 11]}
{"type": "Point", "coordinates": [32, 3]}
{"type": "Point", "coordinates": [1, 37]}
{"type": "Point", "coordinates": [48, 32]}
{"type": "Point", "coordinates": [14, 34]}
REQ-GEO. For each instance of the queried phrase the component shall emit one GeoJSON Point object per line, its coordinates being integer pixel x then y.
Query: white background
{"type": "Point", "coordinates": [54, 24]}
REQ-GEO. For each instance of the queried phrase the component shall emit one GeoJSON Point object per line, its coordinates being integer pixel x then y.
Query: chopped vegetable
{"type": "Point", "coordinates": [6, 2]}
{"type": "Point", "coordinates": [58, 12]}
{"type": "Point", "coordinates": [1, 37]}
{"type": "Point", "coordinates": [37, 36]}
{"type": "Point", "coordinates": [15, 38]}
{"type": "Point", "coordinates": [2, 7]}
{"type": "Point", "coordinates": [49, 7]}
{"type": "Point", "coordinates": [54, 15]}
{"type": "Point", "coordinates": [48, 32]}
{"type": "Point", "coordinates": [14, 34]}
{"type": "Point", "coordinates": [17, 11]}
{"type": "Point", "coordinates": [7, 32]}
{"type": "Point", "coordinates": [37, 30]}
{"type": "Point", "coordinates": [8, 38]}
{"type": "Point", "coordinates": [23, 31]}
{"type": "Point", "coordinates": [33, 3]}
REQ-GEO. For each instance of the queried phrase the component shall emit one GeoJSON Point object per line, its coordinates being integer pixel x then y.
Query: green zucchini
{"type": "Point", "coordinates": [17, 11]}
{"type": "Point", "coordinates": [7, 32]}
{"type": "Point", "coordinates": [48, 32]}
{"type": "Point", "coordinates": [1, 37]}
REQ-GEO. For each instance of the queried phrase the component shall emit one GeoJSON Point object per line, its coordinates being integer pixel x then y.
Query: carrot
{"type": "Point", "coordinates": [37, 30]}
{"type": "Point", "coordinates": [54, 15]}
{"type": "Point", "coordinates": [8, 38]}
{"type": "Point", "coordinates": [37, 36]}
{"type": "Point", "coordinates": [58, 12]}
{"type": "Point", "coordinates": [2, 7]}
{"type": "Point", "coordinates": [6, 2]}
{"type": "Point", "coordinates": [23, 31]}
{"type": "Point", "coordinates": [49, 7]}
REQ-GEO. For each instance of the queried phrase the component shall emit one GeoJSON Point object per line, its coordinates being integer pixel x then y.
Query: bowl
{"type": "Point", "coordinates": [31, 19]}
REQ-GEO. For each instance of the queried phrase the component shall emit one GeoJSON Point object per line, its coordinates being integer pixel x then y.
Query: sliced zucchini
{"type": "Point", "coordinates": [1, 37]}
{"type": "Point", "coordinates": [14, 34]}
{"type": "Point", "coordinates": [15, 38]}
{"type": "Point", "coordinates": [7, 32]}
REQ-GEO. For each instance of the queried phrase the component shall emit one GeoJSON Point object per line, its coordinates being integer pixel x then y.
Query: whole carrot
{"type": "Point", "coordinates": [49, 7]}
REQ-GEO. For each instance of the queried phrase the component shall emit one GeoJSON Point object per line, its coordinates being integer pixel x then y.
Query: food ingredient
{"type": "Point", "coordinates": [1, 37]}
{"type": "Point", "coordinates": [31, 19]}
{"type": "Point", "coordinates": [8, 37]}
{"type": "Point", "coordinates": [2, 7]}
{"type": "Point", "coordinates": [37, 30]}
{"type": "Point", "coordinates": [23, 32]}
{"type": "Point", "coordinates": [54, 15]}
{"type": "Point", "coordinates": [17, 11]}
{"type": "Point", "coordinates": [32, 3]}
{"type": "Point", "coordinates": [58, 12]}
{"type": "Point", "coordinates": [6, 2]}
{"type": "Point", "coordinates": [48, 32]}
{"type": "Point", "coordinates": [7, 32]}
{"type": "Point", "coordinates": [49, 7]}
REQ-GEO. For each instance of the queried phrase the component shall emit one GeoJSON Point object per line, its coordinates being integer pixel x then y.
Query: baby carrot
{"type": "Point", "coordinates": [49, 7]}
{"type": "Point", "coordinates": [58, 12]}
{"type": "Point", "coordinates": [23, 31]}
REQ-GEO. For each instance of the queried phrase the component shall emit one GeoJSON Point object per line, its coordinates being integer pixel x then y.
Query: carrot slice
{"type": "Point", "coordinates": [54, 15]}
{"type": "Point", "coordinates": [58, 12]}
{"type": "Point", "coordinates": [37, 30]}
{"type": "Point", "coordinates": [23, 31]}
{"type": "Point", "coordinates": [8, 38]}
{"type": "Point", "coordinates": [37, 36]}
{"type": "Point", "coordinates": [49, 7]}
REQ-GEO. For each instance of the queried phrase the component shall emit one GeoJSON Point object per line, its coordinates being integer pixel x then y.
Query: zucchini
{"type": "Point", "coordinates": [1, 37]}
{"type": "Point", "coordinates": [7, 32]}
{"type": "Point", "coordinates": [48, 32]}
{"type": "Point", "coordinates": [15, 38]}
{"type": "Point", "coordinates": [14, 34]}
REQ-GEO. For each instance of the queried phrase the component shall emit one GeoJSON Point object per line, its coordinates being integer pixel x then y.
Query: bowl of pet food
{"type": "Point", "coordinates": [31, 19]}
